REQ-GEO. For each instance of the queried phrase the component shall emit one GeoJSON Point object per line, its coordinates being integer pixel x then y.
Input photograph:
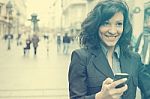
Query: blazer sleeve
{"type": "Point", "coordinates": [77, 77]}
{"type": "Point", "coordinates": [144, 79]}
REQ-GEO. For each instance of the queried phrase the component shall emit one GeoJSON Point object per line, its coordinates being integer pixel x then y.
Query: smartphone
{"type": "Point", "coordinates": [120, 76]}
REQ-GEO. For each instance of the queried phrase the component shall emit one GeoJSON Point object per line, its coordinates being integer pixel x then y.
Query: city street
{"type": "Point", "coordinates": [27, 74]}
{"type": "Point", "coordinates": [34, 77]}
{"type": "Point", "coordinates": [41, 77]}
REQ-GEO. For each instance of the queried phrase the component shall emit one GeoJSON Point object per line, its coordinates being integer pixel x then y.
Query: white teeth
{"type": "Point", "coordinates": [111, 36]}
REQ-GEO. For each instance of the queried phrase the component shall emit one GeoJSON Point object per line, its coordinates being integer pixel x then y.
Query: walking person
{"type": "Point", "coordinates": [143, 42]}
{"type": "Point", "coordinates": [19, 39]}
{"type": "Point", "coordinates": [66, 42]}
{"type": "Point", "coordinates": [105, 38]}
{"type": "Point", "coordinates": [27, 48]}
{"type": "Point", "coordinates": [58, 42]}
{"type": "Point", "coordinates": [35, 41]}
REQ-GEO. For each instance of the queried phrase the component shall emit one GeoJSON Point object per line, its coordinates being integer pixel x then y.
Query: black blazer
{"type": "Point", "coordinates": [89, 68]}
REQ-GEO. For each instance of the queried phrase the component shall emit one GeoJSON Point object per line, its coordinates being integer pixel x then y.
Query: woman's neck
{"type": "Point", "coordinates": [110, 50]}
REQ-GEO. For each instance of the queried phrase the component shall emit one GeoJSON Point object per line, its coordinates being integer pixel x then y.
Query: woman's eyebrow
{"type": "Point", "coordinates": [119, 20]}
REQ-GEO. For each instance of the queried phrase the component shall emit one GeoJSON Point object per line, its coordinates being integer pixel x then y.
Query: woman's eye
{"type": "Point", "coordinates": [119, 24]}
{"type": "Point", "coordinates": [106, 24]}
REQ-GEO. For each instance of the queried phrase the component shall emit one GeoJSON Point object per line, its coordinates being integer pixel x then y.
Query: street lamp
{"type": "Point", "coordinates": [9, 14]}
{"type": "Point", "coordinates": [18, 32]}
{"type": "Point", "coordinates": [18, 14]}
{"type": "Point", "coordinates": [34, 20]}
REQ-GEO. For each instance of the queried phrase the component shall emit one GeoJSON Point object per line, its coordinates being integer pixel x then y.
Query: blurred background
{"type": "Point", "coordinates": [39, 70]}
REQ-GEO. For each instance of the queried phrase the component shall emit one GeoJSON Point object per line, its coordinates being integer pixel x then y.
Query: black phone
{"type": "Point", "coordinates": [120, 76]}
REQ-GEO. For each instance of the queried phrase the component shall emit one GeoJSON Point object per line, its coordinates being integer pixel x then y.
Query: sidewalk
{"type": "Point", "coordinates": [30, 77]}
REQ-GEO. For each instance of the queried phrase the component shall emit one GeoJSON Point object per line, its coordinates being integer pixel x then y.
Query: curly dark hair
{"type": "Point", "coordinates": [103, 11]}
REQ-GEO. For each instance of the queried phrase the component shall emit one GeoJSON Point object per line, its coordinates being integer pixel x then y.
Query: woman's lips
{"type": "Point", "coordinates": [111, 38]}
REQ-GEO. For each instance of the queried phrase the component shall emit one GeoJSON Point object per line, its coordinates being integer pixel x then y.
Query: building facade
{"type": "Point", "coordinates": [12, 16]}
{"type": "Point", "coordinates": [55, 16]}
{"type": "Point", "coordinates": [69, 14]}
{"type": "Point", "coordinates": [19, 15]}
{"type": "Point", "coordinates": [74, 12]}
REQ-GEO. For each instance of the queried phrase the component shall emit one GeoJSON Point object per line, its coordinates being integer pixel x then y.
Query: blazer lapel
{"type": "Point", "coordinates": [125, 64]}
{"type": "Point", "coordinates": [101, 63]}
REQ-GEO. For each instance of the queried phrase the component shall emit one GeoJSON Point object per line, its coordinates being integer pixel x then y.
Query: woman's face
{"type": "Point", "coordinates": [111, 31]}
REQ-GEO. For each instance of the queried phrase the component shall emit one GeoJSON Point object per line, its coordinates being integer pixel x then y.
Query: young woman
{"type": "Point", "coordinates": [105, 38]}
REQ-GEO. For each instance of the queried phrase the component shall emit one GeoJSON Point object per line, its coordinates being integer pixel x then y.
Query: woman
{"type": "Point", "coordinates": [35, 41]}
{"type": "Point", "coordinates": [105, 38]}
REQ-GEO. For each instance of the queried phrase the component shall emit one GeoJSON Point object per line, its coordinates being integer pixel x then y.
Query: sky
{"type": "Point", "coordinates": [42, 9]}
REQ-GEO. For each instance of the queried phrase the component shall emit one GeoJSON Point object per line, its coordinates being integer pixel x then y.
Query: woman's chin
{"type": "Point", "coordinates": [111, 44]}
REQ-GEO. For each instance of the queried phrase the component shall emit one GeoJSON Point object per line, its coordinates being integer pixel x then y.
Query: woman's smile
{"type": "Point", "coordinates": [111, 30]}
{"type": "Point", "coordinates": [111, 37]}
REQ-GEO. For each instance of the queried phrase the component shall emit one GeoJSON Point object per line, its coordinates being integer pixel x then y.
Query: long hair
{"type": "Point", "coordinates": [103, 11]}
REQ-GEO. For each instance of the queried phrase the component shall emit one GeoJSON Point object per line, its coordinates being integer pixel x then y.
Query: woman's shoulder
{"type": "Point", "coordinates": [134, 55]}
{"type": "Point", "coordinates": [82, 55]}
{"type": "Point", "coordinates": [81, 51]}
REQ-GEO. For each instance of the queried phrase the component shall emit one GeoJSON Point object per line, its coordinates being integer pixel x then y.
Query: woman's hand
{"type": "Point", "coordinates": [109, 91]}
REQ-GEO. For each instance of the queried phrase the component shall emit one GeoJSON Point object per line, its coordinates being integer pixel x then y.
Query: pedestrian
{"type": "Point", "coordinates": [27, 48]}
{"type": "Point", "coordinates": [142, 45]}
{"type": "Point", "coordinates": [66, 42]}
{"type": "Point", "coordinates": [5, 36]}
{"type": "Point", "coordinates": [58, 42]}
{"type": "Point", "coordinates": [46, 36]}
{"type": "Point", "coordinates": [19, 39]}
{"type": "Point", "coordinates": [35, 41]}
{"type": "Point", "coordinates": [105, 38]}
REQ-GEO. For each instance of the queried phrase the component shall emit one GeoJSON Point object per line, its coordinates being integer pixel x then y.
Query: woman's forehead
{"type": "Point", "coordinates": [117, 17]}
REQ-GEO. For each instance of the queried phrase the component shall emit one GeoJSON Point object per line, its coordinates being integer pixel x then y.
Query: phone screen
{"type": "Point", "coordinates": [120, 76]}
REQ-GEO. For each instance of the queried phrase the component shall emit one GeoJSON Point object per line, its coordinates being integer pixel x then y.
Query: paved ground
{"type": "Point", "coordinates": [42, 76]}
{"type": "Point", "coordinates": [30, 77]}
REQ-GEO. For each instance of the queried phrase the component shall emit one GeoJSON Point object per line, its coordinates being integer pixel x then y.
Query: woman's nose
{"type": "Point", "coordinates": [112, 30]}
